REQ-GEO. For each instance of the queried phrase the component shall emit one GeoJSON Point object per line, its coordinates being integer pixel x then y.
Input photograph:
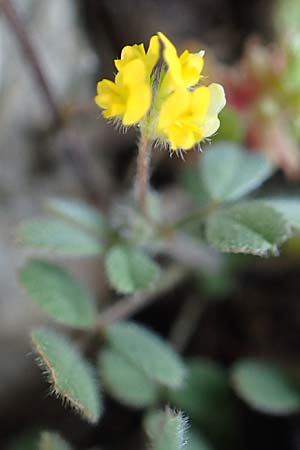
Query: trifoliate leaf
{"type": "Point", "coordinates": [288, 207]}
{"type": "Point", "coordinates": [148, 352]}
{"type": "Point", "coordinates": [53, 441]}
{"type": "Point", "coordinates": [58, 236]}
{"type": "Point", "coordinates": [129, 270]}
{"type": "Point", "coordinates": [230, 172]}
{"type": "Point", "coordinates": [265, 387]}
{"type": "Point", "coordinates": [70, 376]}
{"type": "Point", "coordinates": [249, 227]}
{"type": "Point", "coordinates": [58, 293]}
{"type": "Point", "coordinates": [166, 430]}
{"type": "Point", "coordinates": [125, 382]}
{"type": "Point", "coordinates": [77, 212]}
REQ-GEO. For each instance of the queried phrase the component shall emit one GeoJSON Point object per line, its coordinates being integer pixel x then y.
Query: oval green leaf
{"type": "Point", "coordinates": [59, 237]}
{"type": "Point", "coordinates": [70, 376]}
{"type": "Point", "coordinates": [129, 270]}
{"type": "Point", "coordinates": [125, 382]}
{"type": "Point", "coordinates": [229, 172]}
{"type": "Point", "coordinates": [249, 227]}
{"type": "Point", "coordinates": [265, 387]}
{"type": "Point", "coordinates": [58, 293]}
{"type": "Point", "coordinates": [147, 352]}
{"type": "Point", "coordinates": [53, 441]}
{"type": "Point", "coordinates": [288, 207]}
{"type": "Point", "coordinates": [166, 430]}
{"type": "Point", "coordinates": [77, 212]}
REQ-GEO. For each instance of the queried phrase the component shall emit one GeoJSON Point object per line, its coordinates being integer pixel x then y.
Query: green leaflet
{"type": "Point", "coordinates": [126, 382]}
{"type": "Point", "coordinates": [78, 213]}
{"type": "Point", "coordinates": [129, 270]}
{"type": "Point", "coordinates": [58, 293]}
{"type": "Point", "coordinates": [265, 387]}
{"type": "Point", "coordinates": [229, 172]}
{"type": "Point", "coordinates": [248, 227]}
{"type": "Point", "coordinates": [148, 352]}
{"type": "Point", "coordinates": [166, 430]}
{"type": "Point", "coordinates": [70, 376]}
{"type": "Point", "coordinates": [59, 237]}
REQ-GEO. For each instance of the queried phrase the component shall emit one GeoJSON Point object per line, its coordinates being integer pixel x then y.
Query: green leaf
{"type": "Point", "coordinates": [196, 441]}
{"type": "Point", "coordinates": [129, 270]}
{"type": "Point", "coordinates": [78, 213]}
{"type": "Point", "coordinates": [58, 293]}
{"type": "Point", "coordinates": [70, 376]}
{"type": "Point", "coordinates": [52, 441]}
{"type": "Point", "coordinates": [26, 441]}
{"type": "Point", "coordinates": [265, 387]}
{"type": "Point", "coordinates": [166, 430]}
{"type": "Point", "coordinates": [288, 207]}
{"type": "Point", "coordinates": [232, 126]}
{"type": "Point", "coordinates": [207, 399]}
{"type": "Point", "coordinates": [249, 227]}
{"type": "Point", "coordinates": [125, 382]}
{"type": "Point", "coordinates": [147, 352]}
{"type": "Point", "coordinates": [58, 236]}
{"type": "Point", "coordinates": [230, 172]}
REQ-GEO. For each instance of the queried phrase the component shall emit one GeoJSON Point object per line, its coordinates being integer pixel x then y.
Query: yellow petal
{"type": "Point", "coordinates": [173, 107]}
{"type": "Point", "coordinates": [129, 53]}
{"type": "Point", "coordinates": [138, 104]}
{"type": "Point", "coordinates": [191, 67]}
{"type": "Point", "coordinates": [210, 126]}
{"type": "Point", "coordinates": [200, 102]}
{"type": "Point", "coordinates": [172, 60]}
{"type": "Point", "coordinates": [152, 53]}
{"type": "Point", "coordinates": [217, 99]}
{"type": "Point", "coordinates": [181, 138]}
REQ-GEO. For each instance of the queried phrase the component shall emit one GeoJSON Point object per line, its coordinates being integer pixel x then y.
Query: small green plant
{"type": "Point", "coordinates": [134, 365]}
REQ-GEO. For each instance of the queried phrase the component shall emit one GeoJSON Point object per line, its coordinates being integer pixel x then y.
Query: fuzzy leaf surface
{"type": "Point", "coordinates": [58, 293]}
{"type": "Point", "coordinates": [265, 387]}
{"type": "Point", "coordinates": [166, 430]}
{"type": "Point", "coordinates": [77, 212]}
{"type": "Point", "coordinates": [70, 376]}
{"type": "Point", "coordinates": [229, 172]}
{"type": "Point", "coordinates": [58, 236]}
{"type": "Point", "coordinates": [148, 352]}
{"type": "Point", "coordinates": [288, 207]}
{"type": "Point", "coordinates": [248, 227]}
{"type": "Point", "coordinates": [129, 270]}
{"type": "Point", "coordinates": [125, 382]}
{"type": "Point", "coordinates": [53, 441]}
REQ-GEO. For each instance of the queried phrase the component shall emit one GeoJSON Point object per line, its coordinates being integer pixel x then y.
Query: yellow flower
{"type": "Point", "coordinates": [137, 51]}
{"type": "Point", "coordinates": [178, 109]}
{"type": "Point", "coordinates": [186, 117]}
{"type": "Point", "coordinates": [129, 97]}
{"type": "Point", "coordinates": [184, 70]}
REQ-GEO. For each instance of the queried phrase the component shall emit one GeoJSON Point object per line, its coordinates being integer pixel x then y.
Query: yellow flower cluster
{"type": "Point", "coordinates": [168, 104]}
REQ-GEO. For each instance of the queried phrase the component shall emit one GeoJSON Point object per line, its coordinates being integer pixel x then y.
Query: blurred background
{"type": "Point", "coordinates": [53, 142]}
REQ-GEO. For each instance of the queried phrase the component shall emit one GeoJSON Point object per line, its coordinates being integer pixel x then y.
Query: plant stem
{"type": "Point", "coordinates": [143, 166]}
{"type": "Point", "coordinates": [131, 305]}
{"type": "Point", "coordinates": [199, 214]}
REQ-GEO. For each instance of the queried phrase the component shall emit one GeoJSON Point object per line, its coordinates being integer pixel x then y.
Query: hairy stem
{"type": "Point", "coordinates": [143, 167]}
{"type": "Point", "coordinates": [128, 306]}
